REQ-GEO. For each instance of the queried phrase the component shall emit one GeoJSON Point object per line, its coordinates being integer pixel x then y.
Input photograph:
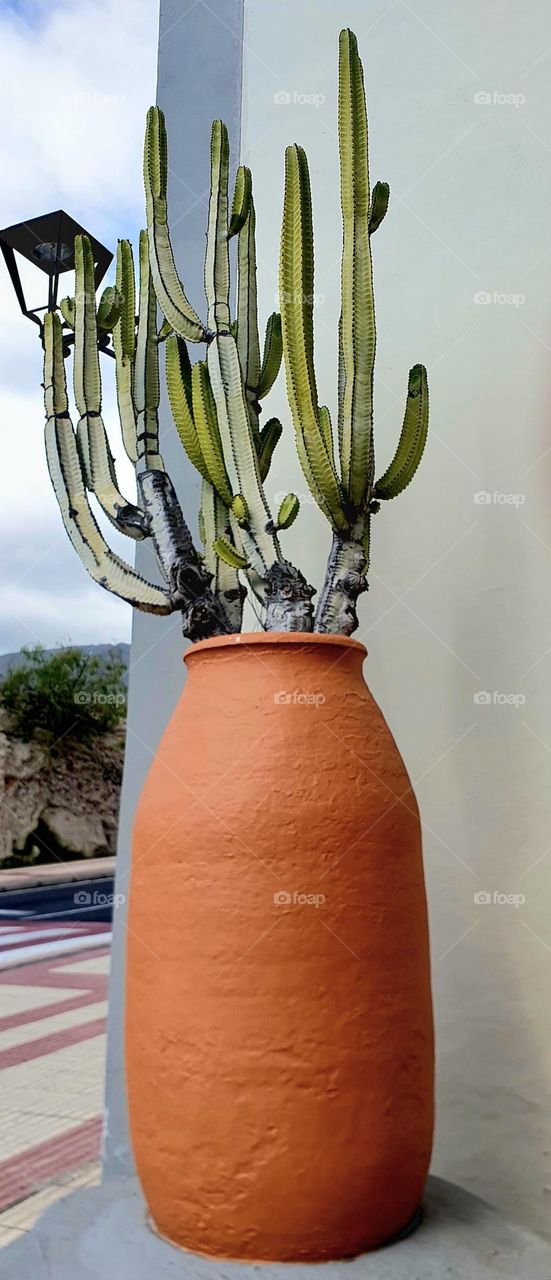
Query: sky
{"type": "Point", "coordinates": [76, 79]}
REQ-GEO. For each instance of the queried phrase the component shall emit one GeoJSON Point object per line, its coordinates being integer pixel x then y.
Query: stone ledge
{"type": "Point", "coordinates": [102, 1231]}
{"type": "Point", "coordinates": [56, 873]}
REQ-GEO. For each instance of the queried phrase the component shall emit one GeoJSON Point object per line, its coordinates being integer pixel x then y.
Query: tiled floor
{"type": "Point", "coordinates": [20, 1218]}
{"type": "Point", "coordinates": [52, 1063]}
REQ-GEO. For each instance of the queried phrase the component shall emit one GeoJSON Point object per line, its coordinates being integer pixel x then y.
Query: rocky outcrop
{"type": "Point", "coordinates": [64, 804]}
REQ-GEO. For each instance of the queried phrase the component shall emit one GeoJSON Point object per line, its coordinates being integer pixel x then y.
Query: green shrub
{"type": "Point", "coordinates": [67, 692]}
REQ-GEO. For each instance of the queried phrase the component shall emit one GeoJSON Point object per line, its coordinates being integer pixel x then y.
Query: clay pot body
{"type": "Point", "coordinates": [279, 1024]}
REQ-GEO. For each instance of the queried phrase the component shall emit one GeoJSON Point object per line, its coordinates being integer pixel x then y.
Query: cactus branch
{"type": "Point", "coordinates": [93, 444]}
{"type": "Point", "coordinates": [189, 581]}
{"type": "Point", "coordinates": [234, 410]}
{"type": "Point", "coordinates": [124, 343]}
{"type": "Point", "coordinates": [146, 369]}
{"type": "Point", "coordinates": [296, 300]}
{"type": "Point", "coordinates": [172, 299]}
{"type": "Point", "coordinates": [412, 439]}
{"type": "Point", "coordinates": [379, 205]}
{"type": "Point", "coordinates": [226, 584]}
{"type": "Point", "coordinates": [241, 201]}
{"type": "Point", "coordinates": [83, 460]}
{"type": "Point", "coordinates": [248, 344]}
{"type": "Point", "coordinates": [348, 501]}
{"type": "Point", "coordinates": [272, 355]}
{"type": "Point", "coordinates": [180, 394]}
{"type": "Point", "coordinates": [66, 474]}
{"type": "Point", "coordinates": [357, 349]}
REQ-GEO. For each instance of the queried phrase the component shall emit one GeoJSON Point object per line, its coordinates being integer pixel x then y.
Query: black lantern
{"type": "Point", "coordinates": [48, 242]}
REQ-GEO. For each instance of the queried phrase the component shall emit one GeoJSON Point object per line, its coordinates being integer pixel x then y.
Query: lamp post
{"type": "Point", "coordinates": [48, 242]}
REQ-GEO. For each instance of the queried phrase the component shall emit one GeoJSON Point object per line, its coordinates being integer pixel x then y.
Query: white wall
{"type": "Point", "coordinates": [460, 597]}
{"type": "Point", "coordinates": [460, 592]}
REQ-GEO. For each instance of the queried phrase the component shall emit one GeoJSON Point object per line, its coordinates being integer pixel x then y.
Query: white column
{"type": "Point", "coordinates": [199, 78]}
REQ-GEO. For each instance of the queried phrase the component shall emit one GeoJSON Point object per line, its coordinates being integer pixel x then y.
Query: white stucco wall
{"type": "Point", "coordinates": [460, 598]}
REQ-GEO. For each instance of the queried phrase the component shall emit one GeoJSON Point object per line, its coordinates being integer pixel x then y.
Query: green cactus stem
{"type": "Point", "coordinates": [348, 496]}
{"type": "Point", "coordinates": [288, 511]}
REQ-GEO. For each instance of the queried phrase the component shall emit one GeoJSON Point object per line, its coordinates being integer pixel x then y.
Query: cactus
{"type": "Point", "coordinates": [216, 402]}
{"type": "Point", "coordinates": [347, 493]}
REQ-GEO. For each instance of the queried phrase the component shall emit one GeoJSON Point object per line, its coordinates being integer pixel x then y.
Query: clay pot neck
{"type": "Point", "coordinates": [276, 641]}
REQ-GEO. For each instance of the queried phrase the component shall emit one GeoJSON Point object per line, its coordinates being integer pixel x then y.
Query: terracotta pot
{"type": "Point", "coordinates": [279, 1026]}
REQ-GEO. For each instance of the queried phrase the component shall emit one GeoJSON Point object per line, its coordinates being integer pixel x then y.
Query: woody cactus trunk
{"type": "Point", "coordinates": [279, 1061]}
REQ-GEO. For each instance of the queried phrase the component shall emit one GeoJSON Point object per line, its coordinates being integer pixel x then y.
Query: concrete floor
{"type": "Point", "coordinates": [102, 1231]}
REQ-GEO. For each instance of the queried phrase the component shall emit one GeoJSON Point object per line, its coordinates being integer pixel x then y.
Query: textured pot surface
{"type": "Point", "coordinates": [279, 1024]}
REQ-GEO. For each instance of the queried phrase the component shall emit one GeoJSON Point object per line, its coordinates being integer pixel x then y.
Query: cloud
{"type": "Point", "coordinates": [76, 82]}
{"type": "Point", "coordinates": [76, 86]}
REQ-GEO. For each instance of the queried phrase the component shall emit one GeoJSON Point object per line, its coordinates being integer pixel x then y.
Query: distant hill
{"type": "Point", "coordinates": [122, 650]}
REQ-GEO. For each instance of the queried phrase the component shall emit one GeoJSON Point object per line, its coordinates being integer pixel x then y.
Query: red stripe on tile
{"type": "Point", "coordinates": [50, 973]}
{"type": "Point", "coordinates": [48, 1011]}
{"type": "Point", "coordinates": [19, 1053]}
{"type": "Point", "coordinates": [33, 940]}
{"type": "Point", "coordinates": [28, 1172]}
{"type": "Point", "coordinates": [33, 925]}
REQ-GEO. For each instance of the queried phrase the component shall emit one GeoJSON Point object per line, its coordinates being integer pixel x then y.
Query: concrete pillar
{"type": "Point", "coordinates": [199, 78]}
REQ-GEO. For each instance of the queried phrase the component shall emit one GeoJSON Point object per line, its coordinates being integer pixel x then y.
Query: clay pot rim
{"type": "Point", "coordinates": [248, 639]}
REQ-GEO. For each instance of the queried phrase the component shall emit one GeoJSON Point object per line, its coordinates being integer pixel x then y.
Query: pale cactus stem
{"type": "Point", "coordinates": [82, 461]}
{"type": "Point", "coordinates": [216, 402]}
